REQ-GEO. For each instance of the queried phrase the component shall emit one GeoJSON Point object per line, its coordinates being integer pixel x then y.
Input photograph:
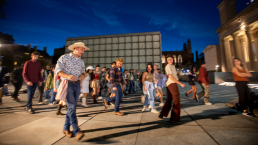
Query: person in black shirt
{"type": "Point", "coordinates": [191, 77]}
{"type": "Point", "coordinates": [17, 81]}
{"type": "Point", "coordinates": [4, 79]}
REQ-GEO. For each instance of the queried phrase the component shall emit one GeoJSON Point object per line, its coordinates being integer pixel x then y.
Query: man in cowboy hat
{"type": "Point", "coordinates": [70, 67]}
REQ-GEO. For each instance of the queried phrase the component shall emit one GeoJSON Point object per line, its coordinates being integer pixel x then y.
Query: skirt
{"type": "Point", "coordinates": [192, 83]}
{"type": "Point", "coordinates": [85, 86]}
{"type": "Point", "coordinates": [95, 84]}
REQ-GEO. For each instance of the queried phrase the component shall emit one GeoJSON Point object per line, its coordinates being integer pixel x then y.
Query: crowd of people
{"type": "Point", "coordinates": [69, 81]}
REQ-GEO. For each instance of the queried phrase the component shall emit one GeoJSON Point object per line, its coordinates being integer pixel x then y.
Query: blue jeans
{"type": "Point", "coordinates": [53, 96]}
{"type": "Point", "coordinates": [47, 94]}
{"type": "Point", "coordinates": [152, 102]}
{"type": "Point", "coordinates": [72, 98]}
{"type": "Point", "coordinates": [154, 90]}
{"type": "Point", "coordinates": [57, 84]}
{"type": "Point", "coordinates": [5, 90]}
{"type": "Point", "coordinates": [31, 91]}
{"type": "Point", "coordinates": [131, 87]}
{"type": "Point", "coordinates": [117, 98]}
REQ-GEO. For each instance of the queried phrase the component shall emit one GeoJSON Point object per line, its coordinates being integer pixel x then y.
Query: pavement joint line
{"type": "Point", "coordinates": [138, 130]}
{"type": "Point", "coordinates": [203, 128]}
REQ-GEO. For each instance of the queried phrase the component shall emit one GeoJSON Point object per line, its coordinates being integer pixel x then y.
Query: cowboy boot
{"type": "Point", "coordinates": [58, 112]}
{"type": "Point", "coordinates": [66, 108]}
{"type": "Point", "coordinates": [84, 102]}
{"type": "Point", "coordinates": [94, 100]}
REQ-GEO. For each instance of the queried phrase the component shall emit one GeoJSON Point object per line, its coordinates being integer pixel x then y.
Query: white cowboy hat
{"type": "Point", "coordinates": [78, 44]}
{"type": "Point", "coordinates": [90, 67]}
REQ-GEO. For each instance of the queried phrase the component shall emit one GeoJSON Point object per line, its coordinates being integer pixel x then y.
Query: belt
{"type": "Point", "coordinates": [74, 81]}
{"type": "Point", "coordinates": [117, 83]}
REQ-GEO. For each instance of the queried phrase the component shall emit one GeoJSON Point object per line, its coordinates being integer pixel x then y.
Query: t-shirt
{"type": "Point", "coordinates": [171, 70]}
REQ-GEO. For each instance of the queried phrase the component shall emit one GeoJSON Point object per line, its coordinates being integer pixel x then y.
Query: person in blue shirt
{"type": "Point", "coordinates": [162, 78]}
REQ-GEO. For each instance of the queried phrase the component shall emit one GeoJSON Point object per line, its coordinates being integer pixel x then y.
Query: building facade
{"type": "Point", "coordinates": [211, 57]}
{"type": "Point", "coordinates": [136, 49]}
{"type": "Point", "coordinates": [238, 35]}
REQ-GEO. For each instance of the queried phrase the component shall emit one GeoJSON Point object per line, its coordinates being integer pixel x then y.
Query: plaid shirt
{"type": "Point", "coordinates": [116, 76]}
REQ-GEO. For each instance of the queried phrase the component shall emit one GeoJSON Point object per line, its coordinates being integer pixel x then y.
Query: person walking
{"type": "Point", "coordinates": [61, 103]}
{"type": "Point", "coordinates": [17, 82]}
{"type": "Point", "coordinates": [131, 82]}
{"type": "Point", "coordinates": [241, 75]}
{"type": "Point", "coordinates": [95, 84]}
{"type": "Point", "coordinates": [172, 93]}
{"type": "Point", "coordinates": [32, 76]}
{"type": "Point", "coordinates": [161, 83]}
{"type": "Point", "coordinates": [49, 87]}
{"type": "Point", "coordinates": [191, 77]}
{"type": "Point", "coordinates": [46, 92]}
{"type": "Point", "coordinates": [203, 80]}
{"type": "Point", "coordinates": [88, 76]}
{"type": "Point", "coordinates": [4, 79]}
{"type": "Point", "coordinates": [102, 82]}
{"type": "Point", "coordinates": [70, 67]}
{"type": "Point", "coordinates": [147, 81]}
{"type": "Point", "coordinates": [40, 89]}
{"type": "Point", "coordinates": [116, 78]}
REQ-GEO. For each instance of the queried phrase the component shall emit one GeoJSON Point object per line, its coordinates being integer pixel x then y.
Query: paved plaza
{"type": "Point", "coordinates": [207, 125]}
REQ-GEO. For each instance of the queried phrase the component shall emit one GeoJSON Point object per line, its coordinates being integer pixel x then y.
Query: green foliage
{"type": "Point", "coordinates": [43, 63]}
{"type": "Point", "coordinates": [2, 14]}
{"type": "Point", "coordinates": [7, 59]}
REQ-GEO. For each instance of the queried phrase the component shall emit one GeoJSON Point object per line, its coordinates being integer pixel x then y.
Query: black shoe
{"type": "Point", "coordinates": [161, 117]}
{"type": "Point", "coordinates": [175, 121]}
{"type": "Point", "coordinates": [186, 95]}
{"type": "Point", "coordinates": [31, 111]}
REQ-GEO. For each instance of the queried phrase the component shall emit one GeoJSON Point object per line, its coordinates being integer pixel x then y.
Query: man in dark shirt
{"type": "Point", "coordinates": [32, 76]}
{"type": "Point", "coordinates": [4, 79]}
{"type": "Point", "coordinates": [17, 81]}
{"type": "Point", "coordinates": [116, 77]}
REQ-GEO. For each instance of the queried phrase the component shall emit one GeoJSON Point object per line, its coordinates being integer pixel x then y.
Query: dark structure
{"type": "Point", "coordinates": [58, 52]}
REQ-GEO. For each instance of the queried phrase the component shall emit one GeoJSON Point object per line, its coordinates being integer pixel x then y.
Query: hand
{"type": "Point", "coordinates": [193, 79]}
{"type": "Point", "coordinates": [46, 88]}
{"type": "Point", "coordinates": [40, 83]}
{"type": "Point", "coordinates": [145, 88]}
{"type": "Point", "coordinates": [156, 82]}
{"type": "Point", "coordinates": [29, 84]}
{"type": "Point", "coordinates": [182, 85]}
{"type": "Point", "coordinates": [72, 78]}
{"type": "Point", "coordinates": [55, 90]}
{"type": "Point", "coordinates": [114, 88]}
{"type": "Point", "coordinates": [81, 77]}
{"type": "Point", "coordinates": [123, 86]}
{"type": "Point", "coordinates": [208, 86]}
{"type": "Point", "coordinates": [4, 86]}
{"type": "Point", "coordinates": [161, 76]}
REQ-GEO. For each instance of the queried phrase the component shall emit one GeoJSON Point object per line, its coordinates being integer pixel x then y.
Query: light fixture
{"type": "Point", "coordinates": [0, 45]}
{"type": "Point", "coordinates": [217, 66]}
{"type": "Point", "coordinates": [243, 27]}
{"type": "Point", "coordinates": [239, 20]}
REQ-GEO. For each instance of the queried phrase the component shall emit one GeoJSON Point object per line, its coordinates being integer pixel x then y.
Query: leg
{"type": "Point", "coordinates": [53, 95]}
{"type": "Point", "coordinates": [152, 102]}
{"type": "Point", "coordinates": [166, 108]}
{"type": "Point", "coordinates": [206, 93]}
{"type": "Point", "coordinates": [1, 95]}
{"type": "Point", "coordinates": [146, 101]}
{"type": "Point", "coordinates": [190, 90]}
{"type": "Point", "coordinates": [201, 94]}
{"type": "Point", "coordinates": [118, 96]}
{"type": "Point", "coordinates": [241, 95]}
{"type": "Point", "coordinates": [15, 93]}
{"type": "Point", "coordinates": [41, 90]}
{"type": "Point", "coordinates": [31, 91]}
{"type": "Point", "coordinates": [175, 114]}
{"type": "Point", "coordinates": [195, 90]}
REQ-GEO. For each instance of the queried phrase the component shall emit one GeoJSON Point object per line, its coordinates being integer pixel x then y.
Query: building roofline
{"type": "Point", "coordinates": [115, 35]}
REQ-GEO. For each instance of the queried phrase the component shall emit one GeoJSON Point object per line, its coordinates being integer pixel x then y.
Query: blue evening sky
{"type": "Point", "coordinates": [47, 23]}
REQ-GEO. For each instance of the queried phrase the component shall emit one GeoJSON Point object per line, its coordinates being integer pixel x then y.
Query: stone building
{"type": "Point", "coordinates": [211, 57]}
{"type": "Point", "coordinates": [136, 49]}
{"type": "Point", "coordinates": [238, 35]}
{"type": "Point", "coordinates": [181, 58]}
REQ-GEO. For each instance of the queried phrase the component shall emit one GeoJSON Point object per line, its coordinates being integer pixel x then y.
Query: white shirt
{"type": "Point", "coordinates": [171, 70]}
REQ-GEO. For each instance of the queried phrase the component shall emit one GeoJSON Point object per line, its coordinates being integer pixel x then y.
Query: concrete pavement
{"type": "Point", "coordinates": [216, 124]}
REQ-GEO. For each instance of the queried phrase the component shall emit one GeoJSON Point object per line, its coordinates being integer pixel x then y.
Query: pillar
{"type": "Point", "coordinates": [255, 36]}
{"type": "Point", "coordinates": [227, 54]}
{"type": "Point", "coordinates": [250, 49]}
{"type": "Point", "coordinates": [238, 52]}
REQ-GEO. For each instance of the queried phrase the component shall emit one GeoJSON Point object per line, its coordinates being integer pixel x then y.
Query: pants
{"type": "Point", "coordinates": [17, 87]}
{"type": "Point", "coordinates": [117, 98]}
{"type": "Point", "coordinates": [47, 94]}
{"type": "Point", "coordinates": [31, 91]}
{"type": "Point", "coordinates": [140, 84]}
{"type": "Point", "coordinates": [5, 90]}
{"type": "Point", "coordinates": [151, 99]}
{"type": "Point", "coordinates": [172, 93]}
{"type": "Point", "coordinates": [244, 95]}
{"type": "Point", "coordinates": [204, 93]}
{"type": "Point", "coordinates": [40, 92]}
{"type": "Point", "coordinates": [53, 96]}
{"type": "Point", "coordinates": [72, 98]}
{"type": "Point", "coordinates": [154, 90]}
{"type": "Point", "coordinates": [1, 95]}
{"type": "Point", "coordinates": [135, 85]}
{"type": "Point", "coordinates": [131, 87]}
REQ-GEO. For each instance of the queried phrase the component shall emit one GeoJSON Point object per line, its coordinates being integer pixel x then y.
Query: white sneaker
{"type": "Point", "coordinates": [145, 110]}
{"type": "Point", "coordinates": [46, 100]}
{"type": "Point", "coordinates": [100, 97]}
{"type": "Point", "coordinates": [40, 103]}
{"type": "Point", "coordinates": [112, 104]}
{"type": "Point", "coordinates": [149, 107]}
{"type": "Point", "coordinates": [50, 104]}
{"type": "Point", "coordinates": [161, 104]}
{"type": "Point", "coordinates": [154, 111]}
{"type": "Point", "coordinates": [208, 103]}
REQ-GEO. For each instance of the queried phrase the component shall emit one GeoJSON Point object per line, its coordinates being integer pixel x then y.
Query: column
{"type": "Point", "coordinates": [227, 55]}
{"type": "Point", "coordinates": [250, 49]}
{"type": "Point", "coordinates": [255, 36]}
{"type": "Point", "coordinates": [238, 52]}
{"type": "Point", "coordinates": [223, 56]}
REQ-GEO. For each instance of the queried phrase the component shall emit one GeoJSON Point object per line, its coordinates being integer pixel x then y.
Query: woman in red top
{"type": "Point", "coordinates": [240, 74]}
{"type": "Point", "coordinates": [95, 84]}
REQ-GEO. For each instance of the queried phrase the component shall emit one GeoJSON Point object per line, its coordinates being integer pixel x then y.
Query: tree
{"type": "Point", "coordinates": [2, 14]}
{"type": "Point", "coordinates": [6, 38]}
{"type": "Point", "coordinates": [7, 59]}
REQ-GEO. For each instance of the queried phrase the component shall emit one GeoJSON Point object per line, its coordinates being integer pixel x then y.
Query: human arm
{"type": "Point", "coordinates": [112, 77]}
{"type": "Point", "coordinates": [143, 76]}
{"type": "Point", "coordinates": [54, 83]}
{"type": "Point", "coordinates": [107, 78]}
{"type": "Point", "coordinates": [25, 74]}
{"type": "Point", "coordinates": [236, 72]}
{"type": "Point", "coordinates": [170, 71]}
{"type": "Point", "coordinates": [247, 73]}
{"type": "Point", "coordinates": [202, 78]}
{"type": "Point", "coordinates": [60, 65]}
{"type": "Point", "coordinates": [39, 75]}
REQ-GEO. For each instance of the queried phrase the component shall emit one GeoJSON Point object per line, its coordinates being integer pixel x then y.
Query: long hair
{"type": "Point", "coordinates": [193, 68]}
{"type": "Point", "coordinates": [152, 70]}
{"type": "Point", "coordinates": [90, 74]}
{"type": "Point", "coordinates": [130, 71]}
{"type": "Point", "coordinates": [241, 64]}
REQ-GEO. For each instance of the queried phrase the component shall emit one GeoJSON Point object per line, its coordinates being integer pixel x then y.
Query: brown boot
{"type": "Point", "coordinates": [94, 99]}
{"type": "Point", "coordinates": [66, 108]}
{"type": "Point", "coordinates": [67, 133]}
{"type": "Point", "coordinates": [79, 136]}
{"type": "Point", "coordinates": [58, 112]}
{"type": "Point", "coordinates": [105, 103]}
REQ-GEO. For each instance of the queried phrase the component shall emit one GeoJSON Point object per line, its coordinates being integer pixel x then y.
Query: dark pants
{"type": "Point", "coordinates": [31, 91]}
{"type": "Point", "coordinates": [244, 95]}
{"type": "Point", "coordinates": [172, 94]}
{"type": "Point", "coordinates": [17, 87]}
{"type": "Point", "coordinates": [131, 87]}
{"type": "Point", "coordinates": [41, 91]}
{"type": "Point", "coordinates": [117, 98]}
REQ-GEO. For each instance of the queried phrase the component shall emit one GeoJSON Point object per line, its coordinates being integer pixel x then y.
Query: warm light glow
{"type": "Point", "coordinates": [243, 27]}
{"type": "Point", "coordinates": [40, 56]}
{"type": "Point", "coordinates": [26, 53]}
{"type": "Point", "coordinates": [217, 66]}
{"type": "Point", "coordinates": [0, 45]}
{"type": "Point", "coordinates": [15, 63]}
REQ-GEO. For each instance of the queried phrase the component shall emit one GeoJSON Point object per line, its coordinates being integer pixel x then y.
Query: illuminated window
{"type": "Point", "coordinates": [174, 56]}
{"type": "Point", "coordinates": [180, 59]}
{"type": "Point", "coordinates": [27, 53]}
{"type": "Point", "coordinates": [40, 56]}
{"type": "Point", "coordinates": [15, 63]}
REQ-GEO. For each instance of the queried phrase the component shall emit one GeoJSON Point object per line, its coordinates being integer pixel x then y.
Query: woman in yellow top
{"type": "Point", "coordinates": [49, 87]}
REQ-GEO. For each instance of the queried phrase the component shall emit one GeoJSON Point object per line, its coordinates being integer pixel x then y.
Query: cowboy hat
{"type": "Point", "coordinates": [90, 67]}
{"type": "Point", "coordinates": [78, 44]}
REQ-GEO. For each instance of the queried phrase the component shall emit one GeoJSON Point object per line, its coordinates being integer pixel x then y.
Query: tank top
{"type": "Point", "coordinates": [148, 77]}
{"type": "Point", "coordinates": [96, 76]}
{"type": "Point", "coordinates": [238, 78]}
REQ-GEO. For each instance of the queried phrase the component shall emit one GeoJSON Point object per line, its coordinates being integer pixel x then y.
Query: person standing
{"type": "Point", "coordinates": [4, 79]}
{"type": "Point", "coordinates": [161, 83]}
{"type": "Point", "coordinates": [32, 76]}
{"type": "Point", "coordinates": [102, 81]}
{"type": "Point", "coordinates": [131, 82]}
{"type": "Point", "coordinates": [95, 84]}
{"type": "Point", "coordinates": [46, 92]}
{"type": "Point", "coordinates": [191, 77]}
{"type": "Point", "coordinates": [111, 92]}
{"type": "Point", "coordinates": [70, 67]}
{"type": "Point", "coordinates": [88, 76]}
{"type": "Point", "coordinates": [241, 75]}
{"type": "Point", "coordinates": [172, 93]}
{"type": "Point", "coordinates": [203, 80]}
{"type": "Point", "coordinates": [155, 78]}
{"type": "Point", "coordinates": [116, 77]}
{"type": "Point", "coordinates": [40, 89]}
{"type": "Point", "coordinates": [126, 75]}
{"type": "Point", "coordinates": [17, 82]}
{"type": "Point", "coordinates": [135, 76]}
{"type": "Point", "coordinates": [49, 86]}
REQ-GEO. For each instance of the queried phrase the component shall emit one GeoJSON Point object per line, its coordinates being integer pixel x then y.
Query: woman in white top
{"type": "Point", "coordinates": [88, 76]}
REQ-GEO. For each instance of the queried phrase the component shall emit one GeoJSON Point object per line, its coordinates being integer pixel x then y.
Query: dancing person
{"type": "Point", "coordinates": [203, 80]}
{"type": "Point", "coordinates": [116, 78]}
{"type": "Point", "coordinates": [95, 84]}
{"type": "Point", "coordinates": [241, 75]}
{"type": "Point", "coordinates": [4, 79]}
{"type": "Point", "coordinates": [49, 87]}
{"type": "Point", "coordinates": [131, 82]}
{"type": "Point", "coordinates": [172, 93]}
{"type": "Point", "coordinates": [147, 81]}
{"type": "Point", "coordinates": [32, 76]}
{"type": "Point", "coordinates": [46, 92]}
{"type": "Point", "coordinates": [191, 77]}
{"type": "Point", "coordinates": [70, 67]}
{"type": "Point", "coordinates": [126, 76]}
{"type": "Point", "coordinates": [161, 83]}
{"type": "Point", "coordinates": [17, 82]}
{"type": "Point", "coordinates": [88, 76]}
{"type": "Point", "coordinates": [111, 92]}
{"type": "Point", "coordinates": [61, 103]}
